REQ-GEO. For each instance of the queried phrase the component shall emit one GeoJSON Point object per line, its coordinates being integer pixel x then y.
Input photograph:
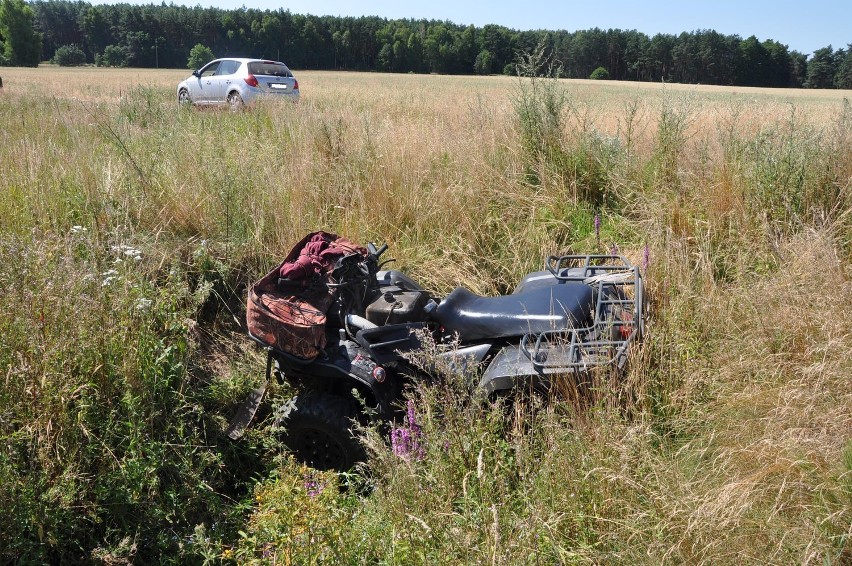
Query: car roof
{"type": "Point", "coordinates": [248, 60]}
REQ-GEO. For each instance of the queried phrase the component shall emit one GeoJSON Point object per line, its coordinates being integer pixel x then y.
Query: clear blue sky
{"type": "Point", "coordinates": [803, 26]}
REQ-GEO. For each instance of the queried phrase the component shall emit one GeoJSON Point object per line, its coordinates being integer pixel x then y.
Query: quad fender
{"type": "Point", "coordinates": [511, 369]}
{"type": "Point", "coordinates": [507, 370]}
{"type": "Point", "coordinates": [352, 369]}
{"type": "Point", "coordinates": [466, 359]}
{"type": "Point", "coordinates": [398, 279]}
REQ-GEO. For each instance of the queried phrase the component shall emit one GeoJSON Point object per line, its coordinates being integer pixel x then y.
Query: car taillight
{"type": "Point", "coordinates": [250, 80]}
{"type": "Point", "coordinates": [295, 84]}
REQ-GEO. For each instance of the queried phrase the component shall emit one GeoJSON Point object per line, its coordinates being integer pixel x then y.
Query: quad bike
{"type": "Point", "coordinates": [579, 313]}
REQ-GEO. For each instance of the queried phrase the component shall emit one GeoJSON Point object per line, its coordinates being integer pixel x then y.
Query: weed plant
{"type": "Point", "coordinates": [130, 228]}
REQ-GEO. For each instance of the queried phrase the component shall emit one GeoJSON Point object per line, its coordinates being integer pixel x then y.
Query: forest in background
{"type": "Point", "coordinates": [163, 35]}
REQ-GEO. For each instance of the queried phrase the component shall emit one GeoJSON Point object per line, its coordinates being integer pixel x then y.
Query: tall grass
{"type": "Point", "coordinates": [131, 227]}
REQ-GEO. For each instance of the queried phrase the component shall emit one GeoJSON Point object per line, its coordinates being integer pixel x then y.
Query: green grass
{"type": "Point", "coordinates": [130, 228]}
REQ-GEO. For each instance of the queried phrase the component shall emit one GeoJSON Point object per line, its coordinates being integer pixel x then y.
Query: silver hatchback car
{"type": "Point", "coordinates": [238, 82]}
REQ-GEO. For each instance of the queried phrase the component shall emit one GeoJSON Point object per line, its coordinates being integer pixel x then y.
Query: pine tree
{"type": "Point", "coordinates": [821, 68]}
{"type": "Point", "coordinates": [843, 77]}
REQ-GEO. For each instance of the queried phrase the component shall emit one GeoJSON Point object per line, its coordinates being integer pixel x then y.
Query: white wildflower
{"type": "Point", "coordinates": [109, 276]}
{"type": "Point", "coordinates": [133, 253]}
{"type": "Point", "coordinates": [127, 251]}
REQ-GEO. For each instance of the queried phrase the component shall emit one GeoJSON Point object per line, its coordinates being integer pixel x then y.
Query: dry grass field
{"type": "Point", "coordinates": [130, 227]}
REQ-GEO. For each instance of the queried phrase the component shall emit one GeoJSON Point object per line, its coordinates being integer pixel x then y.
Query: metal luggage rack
{"type": "Point", "coordinates": [564, 350]}
{"type": "Point", "coordinates": [591, 265]}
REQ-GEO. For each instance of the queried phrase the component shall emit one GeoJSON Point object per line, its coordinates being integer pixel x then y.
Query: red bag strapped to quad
{"type": "Point", "coordinates": [287, 308]}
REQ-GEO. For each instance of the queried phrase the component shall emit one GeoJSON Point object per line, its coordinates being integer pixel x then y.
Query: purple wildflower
{"type": "Point", "coordinates": [406, 441]}
{"type": "Point", "coordinates": [412, 418]}
{"type": "Point", "coordinates": [646, 259]}
{"type": "Point", "coordinates": [614, 249]}
{"type": "Point", "coordinates": [598, 228]}
{"type": "Point", "coordinates": [313, 487]}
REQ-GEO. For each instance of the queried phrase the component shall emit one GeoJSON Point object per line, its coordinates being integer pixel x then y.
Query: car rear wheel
{"type": "Point", "coordinates": [183, 97]}
{"type": "Point", "coordinates": [235, 101]}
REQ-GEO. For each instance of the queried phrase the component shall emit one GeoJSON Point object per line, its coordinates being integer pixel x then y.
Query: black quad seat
{"type": "Point", "coordinates": [554, 307]}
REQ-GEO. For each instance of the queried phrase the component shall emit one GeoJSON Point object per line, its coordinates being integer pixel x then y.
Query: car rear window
{"type": "Point", "coordinates": [271, 69]}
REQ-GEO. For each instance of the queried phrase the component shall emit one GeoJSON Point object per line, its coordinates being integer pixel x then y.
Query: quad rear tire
{"type": "Point", "coordinates": [317, 428]}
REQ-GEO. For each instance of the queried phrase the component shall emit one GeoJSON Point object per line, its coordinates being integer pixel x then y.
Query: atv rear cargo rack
{"type": "Point", "coordinates": [618, 320]}
{"type": "Point", "coordinates": [581, 267]}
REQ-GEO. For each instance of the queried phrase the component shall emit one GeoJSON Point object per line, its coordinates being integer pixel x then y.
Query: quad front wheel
{"type": "Point", "coordinates": [317, 428]}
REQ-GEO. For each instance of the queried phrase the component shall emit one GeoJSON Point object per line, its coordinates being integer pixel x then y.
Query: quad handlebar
{"type": "Point", "coordinates": [376, 252]}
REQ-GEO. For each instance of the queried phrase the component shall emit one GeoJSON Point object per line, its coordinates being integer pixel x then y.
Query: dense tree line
{"type": "Point", "coordinates": [163, 35]}
{"type": "Point", "coordinates": [20, 44]}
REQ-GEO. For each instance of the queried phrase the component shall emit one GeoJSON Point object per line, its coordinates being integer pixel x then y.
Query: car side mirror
{"type": "Point", "coordinates": [195, 73]}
